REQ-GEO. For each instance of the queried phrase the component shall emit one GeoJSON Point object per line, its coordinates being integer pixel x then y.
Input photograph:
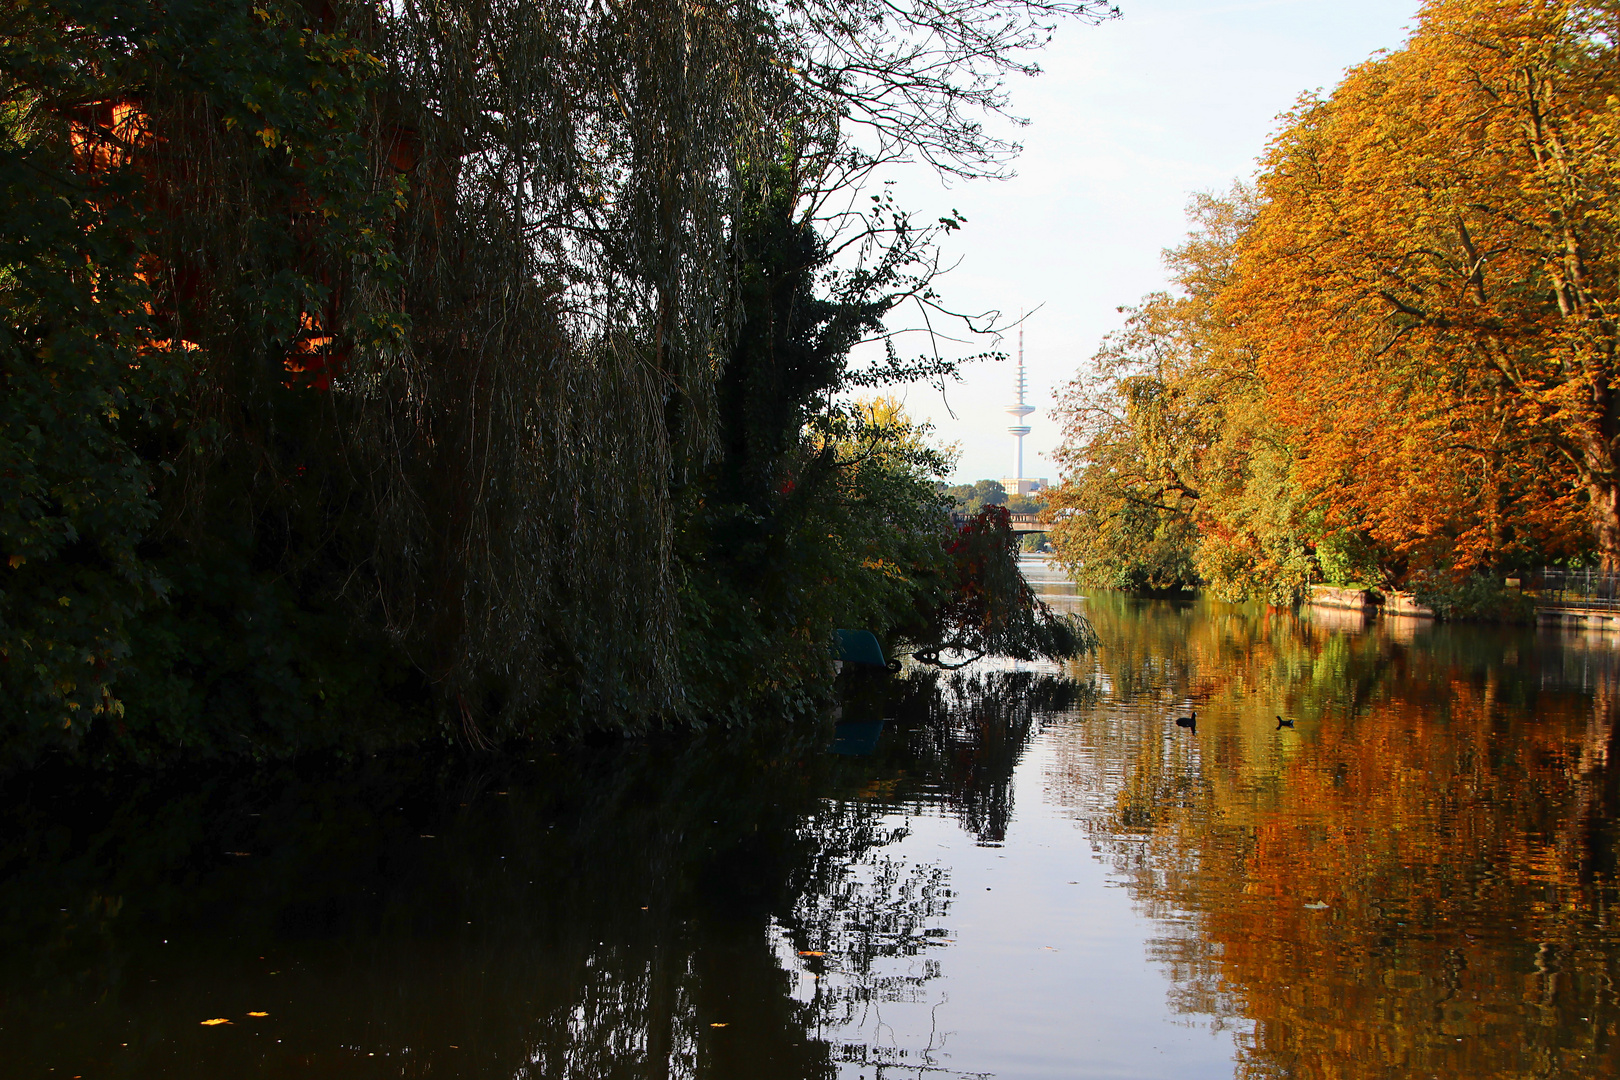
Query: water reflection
{"type": "Point", "coordinates": [964, 736]}
{"type": "Point", "coordinates": [1417, 879]}
{"type": "Point", "coordinates": [593, 920]}
{"type": "Point", "coordinates": [649, 910]}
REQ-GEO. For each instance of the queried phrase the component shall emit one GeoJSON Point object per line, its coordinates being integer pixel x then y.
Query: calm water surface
{"type": "Point", "coordinates": [1032, 873]}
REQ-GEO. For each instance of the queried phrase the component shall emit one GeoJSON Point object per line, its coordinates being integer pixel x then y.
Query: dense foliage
{"type": "Point", "coordinates": [971, 498]}
{"type": "Point", "coordinates": [379, 370]}
{"type": "Point", "coordinates": [1393, 363]}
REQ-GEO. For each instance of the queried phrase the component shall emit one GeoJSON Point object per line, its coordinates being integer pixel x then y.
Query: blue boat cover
{"type": "Point", "coordinates": [860, 647]}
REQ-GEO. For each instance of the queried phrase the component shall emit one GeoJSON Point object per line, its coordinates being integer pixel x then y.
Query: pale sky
{"type": "Point", "coordinates": [1129, 119]}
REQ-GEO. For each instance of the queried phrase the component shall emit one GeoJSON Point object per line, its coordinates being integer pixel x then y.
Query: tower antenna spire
{"type": "Point", "coordinates": [1022, 408]}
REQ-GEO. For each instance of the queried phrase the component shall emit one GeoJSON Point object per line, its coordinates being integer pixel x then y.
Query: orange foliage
{"type": "Point", "coordinates": [315, 356]}
{"type": "Point", "coordinates": [1431, 287]}
{"type": "Point", "coordinates": [109, 135]}
{"type": "Point", "coordinates": [106, 135]}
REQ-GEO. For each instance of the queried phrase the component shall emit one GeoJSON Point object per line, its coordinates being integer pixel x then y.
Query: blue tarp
{"type": "Point", "coordinates": [860, 647]}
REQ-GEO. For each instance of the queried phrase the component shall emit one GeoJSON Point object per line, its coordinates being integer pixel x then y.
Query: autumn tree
{"type": "Point", "coordinates": [1395, 365]}
{"type": "Point", "coordinates": [971, 498]}
{"type": "Point", "coordinates": [1430, 288]}
{"type": "Point", "coordinates": [1174, 473]}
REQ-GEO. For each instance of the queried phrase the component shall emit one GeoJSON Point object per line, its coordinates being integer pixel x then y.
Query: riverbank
{"type": "Point", "coordinates": [1344, 598]}
{"type": "Point", "coordinates": [1596, 615]}
{"type": "Point", "coordinates": [1578, 616]}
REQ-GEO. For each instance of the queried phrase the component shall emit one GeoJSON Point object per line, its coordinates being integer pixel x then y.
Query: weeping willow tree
{"type": "Point", "coordinates": [568, 288]}
{"type": "Point", "coordinates": [365, 354]}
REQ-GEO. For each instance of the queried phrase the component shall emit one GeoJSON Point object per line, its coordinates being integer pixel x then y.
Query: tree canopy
{"type": "Point", "coordinates": [1393, 361]}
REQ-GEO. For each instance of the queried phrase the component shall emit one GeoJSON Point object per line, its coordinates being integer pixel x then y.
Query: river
{"type": "Point", "coordinates": [1029, 873]}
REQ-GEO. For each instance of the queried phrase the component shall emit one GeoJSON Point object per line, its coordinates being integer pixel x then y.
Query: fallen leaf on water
{"type": "Point", "coordinates": [812, 954]}
{"type": "Point", "coordinates": [258, 1014]}
{"type": "Point", "coordinates": [719, 1025]}
{"type": "Point", "coordinates": [1316, 907]}
{"type": "Point", "coordinates": [216, 1021]}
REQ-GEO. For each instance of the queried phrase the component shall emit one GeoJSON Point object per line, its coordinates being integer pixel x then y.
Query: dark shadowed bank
{"type": "Point", "coordinates": [376, 374]}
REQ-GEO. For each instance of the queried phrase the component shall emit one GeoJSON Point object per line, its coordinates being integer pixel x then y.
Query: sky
{"type": "Point", "coordinates": [1128, 121]}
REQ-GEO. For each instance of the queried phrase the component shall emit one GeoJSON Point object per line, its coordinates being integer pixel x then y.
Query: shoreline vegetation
{"type": "Point", "coordinates": [1391, 362]}
{"type": "Point", "coordinates": [377, 375]}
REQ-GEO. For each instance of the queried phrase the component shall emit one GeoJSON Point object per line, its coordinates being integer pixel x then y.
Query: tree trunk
{"type": "Point", "coordinates": [1605, 512]}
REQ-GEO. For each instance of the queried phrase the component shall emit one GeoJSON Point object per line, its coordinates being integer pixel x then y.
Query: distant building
{"type": "Point", "coordinates": [1024, 485]}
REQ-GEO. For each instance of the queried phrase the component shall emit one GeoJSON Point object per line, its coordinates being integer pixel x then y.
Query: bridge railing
{"type": "Point", "coordinates": [1587, 587]}
{"type": "Point", "coordinates": [1021, 523]}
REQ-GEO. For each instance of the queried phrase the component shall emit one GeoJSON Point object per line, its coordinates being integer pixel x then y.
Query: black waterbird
{"type": "Point", "coordinates": [1188, 722]}
{"type": "Point", "coordinates": [1281, 723]}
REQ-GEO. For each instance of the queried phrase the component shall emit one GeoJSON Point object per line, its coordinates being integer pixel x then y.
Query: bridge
{"type": "Point", "coordinates": [1021, 523]}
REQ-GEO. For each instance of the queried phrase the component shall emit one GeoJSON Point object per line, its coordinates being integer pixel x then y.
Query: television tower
{"type": "Point", "coordinates": [1022, 409]}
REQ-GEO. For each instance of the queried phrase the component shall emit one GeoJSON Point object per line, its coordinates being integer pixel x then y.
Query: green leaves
{"type": "Point", "coordinates": [77, 373]}
{"type": "Point", "coordinates": [105, 271]}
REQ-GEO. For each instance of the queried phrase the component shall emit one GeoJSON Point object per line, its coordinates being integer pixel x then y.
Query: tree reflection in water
{"type": "Point", "coordinates": [964, 734]}
{"type": "Point", "coordinates": [865, 923]}
{"type": "Point", "coordinates": [1420, 881]}
{"type": "Point", "coordinates": [649, 910]}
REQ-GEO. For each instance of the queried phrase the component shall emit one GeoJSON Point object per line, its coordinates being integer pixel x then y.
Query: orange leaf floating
{"type": "Point", "coordinates": [719, 1025]}
{"type": "Point", "coordinates": [812, 954]}
{"type": "Point", "coordinates": [215, 1022]}
{"type": "Point", "coordinates": [258, 1014]}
